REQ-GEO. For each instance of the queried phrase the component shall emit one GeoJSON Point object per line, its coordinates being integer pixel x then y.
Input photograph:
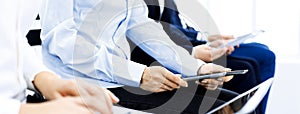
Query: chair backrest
{"type": "Point", "coordinates": [254, 101]}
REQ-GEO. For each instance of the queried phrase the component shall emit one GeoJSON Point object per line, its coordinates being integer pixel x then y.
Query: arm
{"type": "Point", "coordinates": [152, 39]}
{"type": "Point", "coordinates": [178, 36]}
{"type": "Point", "coordinates": [81, 51]}
{"type": "Point", "coordinates": [149, 36]}
{"type": "Point", "coordinates": [173, 26]}
{"type": "Point", "coordinates": [185, 38]}
{"type": "Point", "coordinates": [52, 87]}
{"type": "Point", "coordinates": [70, 105]}
{"type": "Point", "coordinates": [92, 59]}
{"type": "Point", "coordinates": [76, 45]}
{"type": "Point", "coordinates": [65, 95]}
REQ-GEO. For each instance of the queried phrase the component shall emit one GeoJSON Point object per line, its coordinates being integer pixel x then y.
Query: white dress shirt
{"type": "Point", "coordinates": [87, 38]}
{"type": "Point", "coordinates": [18, 65]}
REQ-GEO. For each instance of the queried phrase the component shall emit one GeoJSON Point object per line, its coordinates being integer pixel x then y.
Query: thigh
{"type": "Point", "coordinates": [141, 100]}
{"type": "Point", "coordinates": [261, 54]}
{"type": "Point", "coordinates": [242, 83]}
{"type": "Point", "coordinates": [177, 101]}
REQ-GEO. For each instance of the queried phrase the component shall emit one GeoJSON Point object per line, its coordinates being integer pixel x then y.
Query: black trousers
{"type": "Point", "coordinates": [192, 100]}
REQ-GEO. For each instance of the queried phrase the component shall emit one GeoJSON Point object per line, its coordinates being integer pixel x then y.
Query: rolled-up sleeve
{"type": "Point", "coordinates": [150, 36]}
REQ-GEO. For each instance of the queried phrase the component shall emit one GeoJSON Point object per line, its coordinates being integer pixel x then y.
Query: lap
{"type": "Point", "coordinates": [242, 83]}
{"type": "Point", "coordinates": [257, 51]}
{"type": "Point", "coordinates": [260, 53]}
{"type": "Point", "coordinates": [185, 101]}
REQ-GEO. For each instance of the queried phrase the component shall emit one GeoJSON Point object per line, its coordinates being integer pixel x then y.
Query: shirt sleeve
{"type": "Point", "coordinates": [84, 53]}
{"type": "Point", "coordinates": [32, 64]}
{"type": "Point", "coordinates": [9, 106]}
{"type": "Point", "coordinates": [151, 37]}
{"type": "Point", "coordinates": [91, 58]}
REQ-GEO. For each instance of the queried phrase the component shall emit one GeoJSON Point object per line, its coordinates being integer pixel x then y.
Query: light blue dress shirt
{"type": "Point", "coordinates": [87, 38]}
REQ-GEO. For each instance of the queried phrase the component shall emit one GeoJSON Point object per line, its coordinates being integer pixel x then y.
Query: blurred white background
{"type": "Point", "coordinates": [281, 21]}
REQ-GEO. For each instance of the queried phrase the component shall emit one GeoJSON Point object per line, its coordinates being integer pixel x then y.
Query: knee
{"type": "Point", "coordinates": [270, 56]}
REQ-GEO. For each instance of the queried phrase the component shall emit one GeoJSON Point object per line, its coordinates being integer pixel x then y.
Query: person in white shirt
{"type": "Point", "coordinates": [21, 69]}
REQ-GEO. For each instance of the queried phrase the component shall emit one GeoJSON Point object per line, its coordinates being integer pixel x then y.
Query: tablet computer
{"type": "Point", "coordinates": [214, 75]}
{"type": "Point", "coordinates": [254, 100]}
{"type": "Point", "coordinates": [204, 76]}
{"type": "Point", "coordinates": [242, 38]}
{"type": "Point", "coordinates": [234, 72]}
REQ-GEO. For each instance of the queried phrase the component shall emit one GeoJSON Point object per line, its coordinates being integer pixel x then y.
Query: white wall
{"type": "Point", "coordinates": [281, 21]}
{"type": "Point", "coordinates": [279, 18]}
{"type": "Point", "coordinates": [285, 92]}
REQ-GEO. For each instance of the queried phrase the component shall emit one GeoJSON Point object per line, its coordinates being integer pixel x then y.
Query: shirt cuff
{"type": "Point", "coordinates": [193, 52]}
{"type": "Point", "coordinates": [132, 76]}
{"type": "Point", "coordinates": [202, 36]}
{"type": "Point", "coordinates": [200, 63]}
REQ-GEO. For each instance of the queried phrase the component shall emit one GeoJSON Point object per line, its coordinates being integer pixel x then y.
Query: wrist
{"type": "Point", "coordinates": [197, 51]}
{"type": "Point", "coordinates": [199, 70]}
{"type": "Point", "coordinates": [202, 36]}
{"type": "Point", "coordinates": [144, 75]}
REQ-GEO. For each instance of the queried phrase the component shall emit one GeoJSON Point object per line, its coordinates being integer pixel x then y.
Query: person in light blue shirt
{"type": "Point", "coordinates": [88, 39]}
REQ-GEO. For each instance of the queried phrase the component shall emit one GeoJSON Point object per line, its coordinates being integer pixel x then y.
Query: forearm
{"type": "Point", "coordinates": [158, 45]}
{"type": "Point", "coordinates": [31, 109]}
{"type": "Point", "coordinates": [177, 36]}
